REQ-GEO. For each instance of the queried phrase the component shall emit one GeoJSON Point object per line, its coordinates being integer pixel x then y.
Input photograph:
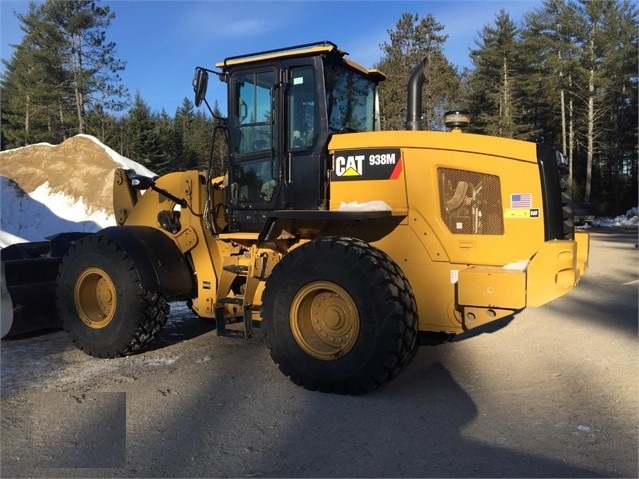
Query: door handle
{"type": "Point", "coordinates": [234, 189]}
{"type": "Point", "coordinates": [289, 166]}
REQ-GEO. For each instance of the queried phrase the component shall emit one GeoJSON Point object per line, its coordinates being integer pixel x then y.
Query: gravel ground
{"type": "Point", "coordinates": [551, 392]}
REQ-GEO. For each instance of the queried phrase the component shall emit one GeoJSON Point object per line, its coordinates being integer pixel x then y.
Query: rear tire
{"type": "Point", "coordinates": [339, 316]}
{"type": "Point", "coordinates": [102, 303]}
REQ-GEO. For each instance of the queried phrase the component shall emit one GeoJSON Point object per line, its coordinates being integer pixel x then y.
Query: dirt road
{"type": "Point", "coordinates": [550, 393]}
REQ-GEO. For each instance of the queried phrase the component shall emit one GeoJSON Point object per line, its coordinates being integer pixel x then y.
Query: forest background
{"type": "Point", "coordinates": [566, 75]}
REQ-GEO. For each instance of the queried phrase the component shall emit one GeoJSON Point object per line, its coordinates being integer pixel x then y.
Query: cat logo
{"type": "Point", "coordinates": [349, 166]}
{"type": "Point", "coordinates": [367, 164]}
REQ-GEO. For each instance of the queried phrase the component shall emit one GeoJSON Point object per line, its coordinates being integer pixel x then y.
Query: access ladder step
{"type": "Point", "coordinates": [239, 300]}
{"type": "Point", "coordinates": [235, 268]}
{"type": "Point", "coordinates": [220, 320]}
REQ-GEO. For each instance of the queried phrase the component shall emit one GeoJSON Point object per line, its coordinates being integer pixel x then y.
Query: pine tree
{"type": "Point", "coordinates": [413, 40]}
{"type": "Point", "coordinates": [493, 98]}
{"type": "Point", "coordinates": [581, 78]}
{"type": "Point", "coordinates": [170, 142]}
{"type": "Point", "coordinates": [63, 69]}
{"type": "Point", "coordinates": [617, 147]}
{"type": "Point", "coordinates": [80, 33]}
{"type": "Point", "coordinates": [34, 107]}
{"type": "Point", "coordinates": [185, 127]}
{"type": "Point", "coordinates": [104, 126]}
{"type": "Point", "coordinates": [549, 64]}
{"type": "Point", "coordinates": [142, 143]}
{"type": "Point", "coordinates": [220, 150]}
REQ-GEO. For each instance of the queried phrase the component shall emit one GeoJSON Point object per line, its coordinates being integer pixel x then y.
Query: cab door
{"type": "Point", "coordinates": [277, 142]}
{"type": "Point", "coordinates": [305, 168]}
{"type": "Point", "coordinates": [254, 170]}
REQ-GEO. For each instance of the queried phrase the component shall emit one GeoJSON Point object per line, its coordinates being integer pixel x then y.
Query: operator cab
{"type": "Point", "coordinates": [283, 106]}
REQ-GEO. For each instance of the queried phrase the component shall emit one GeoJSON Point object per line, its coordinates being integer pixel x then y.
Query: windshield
{"type": "Point", "coordinates": [350, 100]}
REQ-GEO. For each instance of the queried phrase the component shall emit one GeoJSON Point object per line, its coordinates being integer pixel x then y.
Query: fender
{"type": "Point", "coordinates": [160, 264]}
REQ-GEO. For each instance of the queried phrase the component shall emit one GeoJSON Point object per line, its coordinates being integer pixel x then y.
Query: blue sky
{"type": "Point", "coordinates": [163, 41]}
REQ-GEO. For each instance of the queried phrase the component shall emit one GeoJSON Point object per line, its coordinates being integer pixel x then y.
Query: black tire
{"type": "Point", "coordinates": [102, 303]}
{"type": "Point", "coordinates": [339, 316]}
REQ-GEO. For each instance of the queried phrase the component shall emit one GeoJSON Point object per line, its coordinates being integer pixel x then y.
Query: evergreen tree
{"type": "Point", "coordinates": [591, 38]}
{"type": "Point", "coordinates": [609, 63]}
{"type": "Point", "coordinates": [63, 69]}
{"type": "Point", "coordinates": [141, 141]}
{"type": "Point", "coordinates": [582, 77]}
{"type": "Point", "coordinates": [202, 139]}
{"type": "Point", "coordinates": [549, 66]}
{"type": "Point", "coordinates": [413, 40]}
{"type": "Point", "coordinates": [616, 144]}
{"type": "Point", "coordinates": [185, 127]}
{"type": "Point", "coordinates": [170, 142]}
{"type": "Point", "coordinates": [493, 97]}
{"type": "Point", "coordinates": [104, 126]}
{"type": "Point", "coordinates": [33, 106]}
{"type": "Point", "coordinates": [87, 56]}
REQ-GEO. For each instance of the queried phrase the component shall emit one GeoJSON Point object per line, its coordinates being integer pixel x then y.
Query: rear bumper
{"type": "Point", "coordinates": [556, 269]}
{"type": "Point", "coordinates": [583, 251]}
{"type": "Point", "coordinates": [552, 272]}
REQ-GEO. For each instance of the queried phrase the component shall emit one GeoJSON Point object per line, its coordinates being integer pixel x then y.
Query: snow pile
{"type": "Point", "coordinates": [377, 205]}
{"type": "Point", "coordinates": [34, 216]}
{"type": "Point", "coordinates": [630, 219]}
{"type": "Point", "coordinates": [521, 265]}
{"type": "Point", "coordinates": [47, 189]}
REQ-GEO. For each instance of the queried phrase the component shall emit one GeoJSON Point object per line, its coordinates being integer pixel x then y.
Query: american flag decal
{"type": "Point", "coordinates": [521, 200]}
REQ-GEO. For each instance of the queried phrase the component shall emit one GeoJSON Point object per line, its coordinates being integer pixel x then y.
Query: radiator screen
{"type": "Point", "coordinates": [470, 202]}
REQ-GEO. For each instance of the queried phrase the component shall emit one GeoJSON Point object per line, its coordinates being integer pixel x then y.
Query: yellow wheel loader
{"type": "Point", "coordinates": [349, 245]}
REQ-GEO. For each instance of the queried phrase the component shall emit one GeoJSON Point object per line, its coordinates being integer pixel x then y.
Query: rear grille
{"type": "Point", "coordinates": [470, 202]}
{"type": "Point", "coordinates": [556, 190]}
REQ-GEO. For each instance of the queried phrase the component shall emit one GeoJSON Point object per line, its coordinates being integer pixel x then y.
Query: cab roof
{"type": "Point", "coordinates": [306, 50]}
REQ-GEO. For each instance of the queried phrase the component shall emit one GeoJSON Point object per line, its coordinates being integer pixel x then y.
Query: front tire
{"type": "Point", "coordinates": [339, 316]}
{"type": "Point", "coordinates": [102, 303]}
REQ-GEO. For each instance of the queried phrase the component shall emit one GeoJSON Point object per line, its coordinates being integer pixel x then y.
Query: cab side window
{"type": "Point", "coordinates": [253, 125]}
{"type": "Point", "coordinates": [350, 100]}
{"type": "Point", "coordinates": [302, 109]}
{"type": "Point", "coordinates": [253, 178]}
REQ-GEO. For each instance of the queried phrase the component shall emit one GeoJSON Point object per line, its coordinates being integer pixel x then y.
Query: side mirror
{"type": "Point", "coordinates": [200, 83]}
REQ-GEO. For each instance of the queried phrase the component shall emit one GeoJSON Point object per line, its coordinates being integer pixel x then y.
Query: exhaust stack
{"type": "Point", "coordinates": [414, 113]}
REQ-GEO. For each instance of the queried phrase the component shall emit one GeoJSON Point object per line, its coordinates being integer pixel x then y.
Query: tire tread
{"type": "Point", "coordinates": [399, 347]}
{"type": "Point", "coordinates": [151, 309]}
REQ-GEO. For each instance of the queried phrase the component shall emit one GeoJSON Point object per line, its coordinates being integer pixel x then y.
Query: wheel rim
{"type": "Point", "coordinates": [95, 298]}
{"type": "Point", "coordinates": [324, 320]}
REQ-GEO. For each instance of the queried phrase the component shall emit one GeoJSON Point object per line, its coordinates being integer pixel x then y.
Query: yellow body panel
{"type": "Point", "coordinates": [583, 251]}
{"type": "Point", "coordinates": [491, 287]}
{"type": "Point", "coordinates": [458, 276]}
{"type": "Point", "coordinates": [208, 253]}
{"type": "Point", "coordinates": [470, 251]}
{"type": "Point", "coordinates": [552, 272]}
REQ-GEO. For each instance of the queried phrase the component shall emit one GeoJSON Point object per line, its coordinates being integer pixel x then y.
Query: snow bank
{"type": "Point", "coordinates": [119, 159]}
{"type": "Point", "coordinates": [47, 189]}
{"type": "Point", "coordinates": [377, 205]}
{"type": "Point", "coordinates": [42, 213]}
{"type": "Point", "coordinates": [630, 219]}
